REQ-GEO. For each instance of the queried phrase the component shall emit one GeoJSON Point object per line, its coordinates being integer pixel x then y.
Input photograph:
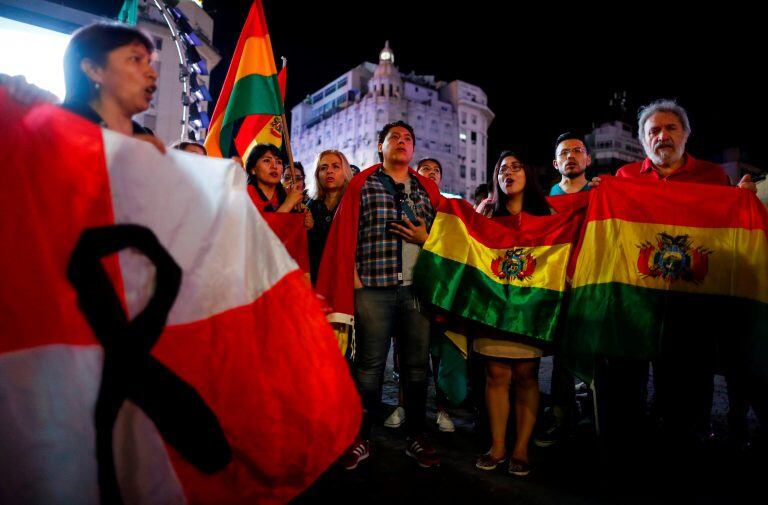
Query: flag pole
{"type": "Point", "coordinates": [288, 146]}
{"type": "Point", "coordinates": [287, 137]}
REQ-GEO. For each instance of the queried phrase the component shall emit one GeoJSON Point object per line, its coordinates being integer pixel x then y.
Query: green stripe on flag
{"type": "Point", "coordinates": [253, 94]}
{"type": "Point", "coordinates": [620, 320]}
{"type": "Point", "coordinates": [465, 291]}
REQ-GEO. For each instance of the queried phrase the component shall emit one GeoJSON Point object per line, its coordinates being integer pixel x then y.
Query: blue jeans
{"type": "Point", "coordinates": [379, 314]}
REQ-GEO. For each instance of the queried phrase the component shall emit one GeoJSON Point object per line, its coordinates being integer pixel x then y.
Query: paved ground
{"type": "Point", "coordinates": [575, 473]}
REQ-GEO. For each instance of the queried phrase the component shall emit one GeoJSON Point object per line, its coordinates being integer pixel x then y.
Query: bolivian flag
{"type": "Point", "coordinates": [251, 100]}
{"type": "Point", "coordinates": [668, 265]}
{"type": "Point", "coordinates": [506, 273]}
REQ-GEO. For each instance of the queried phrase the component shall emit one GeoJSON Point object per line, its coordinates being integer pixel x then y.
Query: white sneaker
{"type": "Point", "coordinates": [444, 422]}
{"type": "Point", "coordinates": [396, 418]}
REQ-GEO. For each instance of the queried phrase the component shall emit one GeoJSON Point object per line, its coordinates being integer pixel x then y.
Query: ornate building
{"type": "Point", "coordinates": [450, 120]}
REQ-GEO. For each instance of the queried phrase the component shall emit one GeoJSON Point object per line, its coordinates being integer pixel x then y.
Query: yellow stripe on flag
{"type": "Point", "coordinates": [734, 257]}
{"type": "Point", "coordinates": [459, 340]}
{"type": "Point", "coordinates": [212, 139]}
{"type": "Point", "coordinates": [450, 239]}
{"type": "Point", "coordinates": [256, 58]}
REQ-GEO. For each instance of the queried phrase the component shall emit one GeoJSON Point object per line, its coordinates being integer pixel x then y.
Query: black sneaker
{"type": "Point", "coordinates": [551, 435]}
{"type": "Point", "coordinates": [422, 451]}
{"type": "Point", "coordinates": [357, 452]}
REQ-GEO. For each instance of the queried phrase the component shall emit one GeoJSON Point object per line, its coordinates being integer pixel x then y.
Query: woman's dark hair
{"type": "Point", "coordinates": [258, 151]}
{"type": "Point", "coordinates": [182, 145]}
{"type": "Point", "coordinates": [296, 166]}
{"type": "Point", "coordinates": [254, 156]}
{"type": "Point", "coordinates": [534, 201]}
{"type": "Point", "coordinates": [433, 160]}
{"type": "Point", "coordinates": [94, 42]}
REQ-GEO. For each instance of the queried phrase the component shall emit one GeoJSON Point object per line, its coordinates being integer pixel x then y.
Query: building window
{"type": "Point", "coordinates": [463, 171]}
{"type": "Point", "coordinates": [447, 148]}
{"type": "Point", "coordinates": [434, 126]}
{"type": "Point", "coordinates": [463, 118]}
{"type": "Point", "coordinates": [474, 138]}
{"type": "Point", "coordinates": [329, 90]}
{"type": "Point", "coordinates": [317, 97]}
{"type": "Point", "coordinates": [390, 90]}
{"type": "Point", "coordinates": [473, 174]}
{"type": "Point", "coordinates": [474, 119]}
{"type": "Point", "coordinates": [342, 82]}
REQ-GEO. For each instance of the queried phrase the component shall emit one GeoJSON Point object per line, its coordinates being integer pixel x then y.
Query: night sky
{"type": "Point", "coordinates": [544, 69]}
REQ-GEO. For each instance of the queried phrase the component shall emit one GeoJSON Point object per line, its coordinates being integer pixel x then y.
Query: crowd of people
{"type": "Point", "coordinates": [384, 214]}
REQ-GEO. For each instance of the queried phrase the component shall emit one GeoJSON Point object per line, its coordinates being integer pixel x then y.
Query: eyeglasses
{"type": "Point", "coordinates": [514, 167]}
{"type": "Point", "coordinates": [573, 150]}
{"type": "Point", "coordinates": [298, 178]}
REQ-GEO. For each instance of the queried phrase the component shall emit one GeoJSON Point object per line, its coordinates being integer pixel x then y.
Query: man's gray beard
{"type": "Point", "coordinates": [659, 159]}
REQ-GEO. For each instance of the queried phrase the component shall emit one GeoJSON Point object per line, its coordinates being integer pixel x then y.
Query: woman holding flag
{"type": "Point", "coordinates": [265, 171]}
{"type": "Point", "coordinates": [515, 193]}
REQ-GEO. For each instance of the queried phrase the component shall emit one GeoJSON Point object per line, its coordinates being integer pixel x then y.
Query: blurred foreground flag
{"type": "Point", "coordinates": [193, 366]}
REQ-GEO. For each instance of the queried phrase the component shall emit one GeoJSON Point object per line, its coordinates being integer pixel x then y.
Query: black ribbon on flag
{"type": "Point", "coordinates": [130, 372]}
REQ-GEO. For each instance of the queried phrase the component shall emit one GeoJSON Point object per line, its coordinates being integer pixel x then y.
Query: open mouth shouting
{"type": "Point", "coordinates": [149, 92]}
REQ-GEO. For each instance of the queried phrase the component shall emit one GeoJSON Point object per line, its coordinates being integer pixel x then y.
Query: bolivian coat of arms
{"type": "Point", "coordinates": [517, 263]}
{"type": "Point", "coordinates": [673, 258]}
{"type": "Point", "coordinates": [276, 127]}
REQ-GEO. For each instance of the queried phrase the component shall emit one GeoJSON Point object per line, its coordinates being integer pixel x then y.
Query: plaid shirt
{"type": "Point", "coordinates": [379, 258]}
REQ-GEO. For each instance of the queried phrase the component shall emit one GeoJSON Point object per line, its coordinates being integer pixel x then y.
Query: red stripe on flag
{"type": "Point", "coordinates": [55, 185]}
{"type": "Point", "coordinates": [276, 391]}
{"type": "Point", "coordinates": [255, 26]}
{"type": "Point", "coordinates": [290, 229]}
{"type": "Point", "coordinates": [674, 203]}
{"type": "Point", "coordinates": [504, 232]}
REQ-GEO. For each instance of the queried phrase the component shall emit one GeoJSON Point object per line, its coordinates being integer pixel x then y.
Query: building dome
{"type": "Point", "coordinates": [386, 76]}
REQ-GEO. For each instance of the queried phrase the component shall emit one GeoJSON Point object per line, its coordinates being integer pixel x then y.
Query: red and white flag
{"type": "Point", "coordinates": [194, 366]}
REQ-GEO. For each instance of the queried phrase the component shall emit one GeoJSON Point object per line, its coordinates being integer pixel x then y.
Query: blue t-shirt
{"type": "Point", "coordinates": [557, 190]}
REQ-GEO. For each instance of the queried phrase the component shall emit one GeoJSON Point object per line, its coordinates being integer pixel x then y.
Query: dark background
{"type": "Point", "coordinates": [545, 69]}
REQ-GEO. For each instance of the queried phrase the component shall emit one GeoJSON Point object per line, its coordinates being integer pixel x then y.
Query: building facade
{"type": "Point", "coordinates": [164, 115]}
{"type": "Point", "coordinates": [450, 120]}
{"type": "Point", "coordinates": [612, 145]}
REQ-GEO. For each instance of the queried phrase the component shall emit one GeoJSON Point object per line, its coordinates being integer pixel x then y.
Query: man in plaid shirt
{"type": "Point", "coordinates": [395, 215]}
